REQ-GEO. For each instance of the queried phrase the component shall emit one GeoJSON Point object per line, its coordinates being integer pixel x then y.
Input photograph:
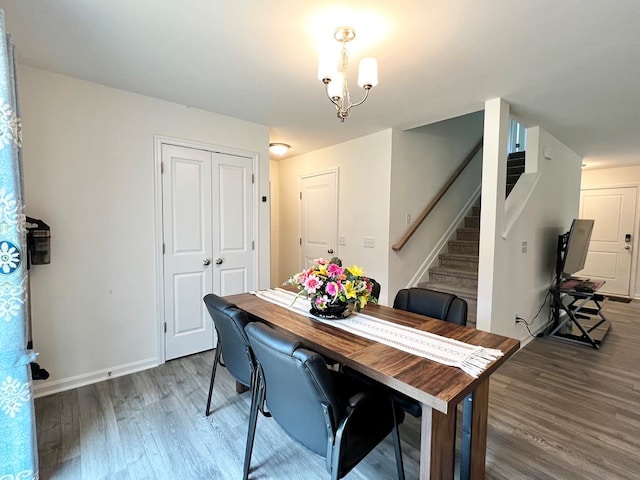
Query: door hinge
{"type": "Point", "coordinates": [161, 168]}
{"type": "Point", "coordinates": [163, 248]}
{"type": "Point", "coordinates": [300, 195]}
{"type": "Point", "coordinates": [300, 240]}
{"type": "Point", "coordinates": [165, 327]}
{"type": "Point", "coordinates": [253, 244]}
{"type": "Point", "coordinates": [253, 178]}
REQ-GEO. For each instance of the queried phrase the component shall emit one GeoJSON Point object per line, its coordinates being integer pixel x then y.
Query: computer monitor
{"type": "Point", "coordinates": [577, 246]}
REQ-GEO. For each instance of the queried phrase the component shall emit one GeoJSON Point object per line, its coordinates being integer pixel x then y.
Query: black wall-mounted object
{"type": "Point", "coordinates": [38, 253]}
{"type": "Point", "coordinates": [38, 242]}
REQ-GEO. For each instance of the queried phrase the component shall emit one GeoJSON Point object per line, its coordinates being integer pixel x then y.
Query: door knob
{"type": "Point", "coordinates": [206, 261]}
{"type": "Point", "coordinates": [218, 261]}
{"type": "Point", "coordinates": [330, 250]}
{"type": "Point", "coordinates": [627, 247]}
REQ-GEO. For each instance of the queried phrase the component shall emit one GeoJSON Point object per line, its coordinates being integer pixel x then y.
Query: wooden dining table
{"type": "Point", "coordinates": [439, 388]}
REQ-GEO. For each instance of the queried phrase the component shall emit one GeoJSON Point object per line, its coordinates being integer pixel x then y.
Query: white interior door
{"type": "Point", "coordinates": [318, 216]}
{"type": "Point", "coordinates": [208, 238]}
{"type": "Point", "coordinates": [610, 249]}
{"type": "Point", "coordinates": [233, 270]}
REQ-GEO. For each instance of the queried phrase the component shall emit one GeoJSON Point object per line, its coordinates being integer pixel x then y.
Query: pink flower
{"type": "Point", "coordinates": [312, 284]}
{"type": "Point", "coordinates": [321, 302]}
{"type": "Point", "coordinates": [333, 288]}
{"type": "Point", "coordinates": [335, 270]}
{"type": "Point", "coordinates": [321, 261]}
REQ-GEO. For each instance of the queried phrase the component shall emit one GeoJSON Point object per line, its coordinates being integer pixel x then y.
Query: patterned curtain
{"type": "Point", "coordinates": [18, 445]}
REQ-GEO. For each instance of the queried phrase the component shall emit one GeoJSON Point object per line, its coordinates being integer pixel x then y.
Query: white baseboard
{"type": "Point", "coordinates": [43, 388]}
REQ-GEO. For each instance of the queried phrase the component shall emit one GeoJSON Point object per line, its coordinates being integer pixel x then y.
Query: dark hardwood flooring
{"type": "Point", "coordinates": [557, 411]}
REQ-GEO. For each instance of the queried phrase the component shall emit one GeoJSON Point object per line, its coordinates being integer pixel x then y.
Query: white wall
{"type": "Point", "coordinates": [519, 281]}
{"type": "Point", "coordinates": [618, 177]}
{"type": "Point", "coordinates": [274, 187]}
{"type": "Point", "coordinates": [423, 160]}
{"type": "Point", "coordinates": [89, 173]}
{"type": "Point", "coordinates": [363, 203]}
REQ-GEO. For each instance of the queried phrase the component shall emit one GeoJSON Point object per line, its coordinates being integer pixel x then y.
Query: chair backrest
{"type": "Point", "coordinates": [375, 289]}
{"type": "Point", "coordinates": [297, 384]}
{"type": "Point", "coordinates": [230, 321]}
{"type": "Point", "coordinates": [440, 305]}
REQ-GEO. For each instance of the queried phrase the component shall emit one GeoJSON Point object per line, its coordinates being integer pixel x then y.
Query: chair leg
{"type": "Point", "coordinates": [257, 398]}
{"type": "Point", "coordinates": [216, 360]}
{"type": "Point", "coordinates": [396, 444]}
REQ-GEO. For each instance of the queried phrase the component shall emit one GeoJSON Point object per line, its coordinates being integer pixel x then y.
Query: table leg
{"type": "Point", "coordinates": [478, 403]}
{"type": "Point", "coordinates": [437, 444]}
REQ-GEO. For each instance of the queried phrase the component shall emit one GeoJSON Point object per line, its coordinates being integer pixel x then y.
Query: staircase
{"type": "Point", "coordinates": [458, 269]}
{"type": "Point", "coordinates": [515, 168]}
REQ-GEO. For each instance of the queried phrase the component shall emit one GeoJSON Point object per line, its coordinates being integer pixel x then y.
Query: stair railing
{"type": "Point", "coordinates": [427, 210]}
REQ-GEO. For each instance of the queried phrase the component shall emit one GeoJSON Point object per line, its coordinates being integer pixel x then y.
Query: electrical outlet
{"type": "Point", "coordinates": [525, 247]}
{"type": "Point", "coordinates": [519, 319]}
{"type": "Point", "coordinates": [369, 242]}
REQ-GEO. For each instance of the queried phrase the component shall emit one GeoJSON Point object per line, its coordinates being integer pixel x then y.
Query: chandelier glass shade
{"type": "Point", "coordinates": [333, 73]}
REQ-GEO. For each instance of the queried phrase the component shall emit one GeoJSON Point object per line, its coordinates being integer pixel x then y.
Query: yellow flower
{"type": "Point", "coordinates": [350, 290]}
{"type": "Point", "coordinates": [322, 270]}
{"type": "Point", "coordinates": [356, 270]}
{"type": "Point", "coordinates": [364, 299]}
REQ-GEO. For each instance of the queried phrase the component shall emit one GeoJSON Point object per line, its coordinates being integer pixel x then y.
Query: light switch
{"type": "Point", "coordinates": [342, 240]}
{"type": "Point", "coordinates": [524, 247]}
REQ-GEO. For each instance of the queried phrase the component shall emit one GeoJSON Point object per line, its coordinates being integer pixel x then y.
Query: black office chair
{"type": "Point", "coordinates": [233, 344]}
{"type": "Point", "coordinates": [375, 289]}
{"type": "Point", "coordinates": [439, 305]}
{"type": "Point", "coordinates": [337, 417]}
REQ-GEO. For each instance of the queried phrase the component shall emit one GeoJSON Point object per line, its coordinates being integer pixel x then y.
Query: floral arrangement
{"type": "Point", "coordinates": [328, 283]}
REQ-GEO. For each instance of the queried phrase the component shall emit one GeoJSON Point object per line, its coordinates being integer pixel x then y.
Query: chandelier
{"type": "Point", "coordinates": [333, 73]}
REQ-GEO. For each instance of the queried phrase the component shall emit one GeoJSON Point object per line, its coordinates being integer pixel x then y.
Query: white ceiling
{"type": "Point", "coordinates": [571, 66]}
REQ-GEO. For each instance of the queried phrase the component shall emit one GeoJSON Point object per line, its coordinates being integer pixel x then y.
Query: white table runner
{"type": "Point", "coordinates": [471, 359]}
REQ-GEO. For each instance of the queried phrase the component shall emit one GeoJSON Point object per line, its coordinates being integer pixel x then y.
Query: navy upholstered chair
{"type": "Point", "coordinates": [233, 344]}
{"type": "Point", "coordinates": [375, 290]}
{"type": "Point", "coordinates": [335, 416]}
{"type": "Point", "coordinates": [439, 305]}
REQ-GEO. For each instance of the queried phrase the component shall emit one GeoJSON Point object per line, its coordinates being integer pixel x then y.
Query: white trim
{"type": "Point", "coordinates": [432, 257]}
{"type": "Point", "coordinates": [158, 141]}
{"type": "Point", "coordinates": [611, 185]}
{"type": "Point", "coordinates": [518, 199]}
{"type": "Point", "coordinates": [55, 386]}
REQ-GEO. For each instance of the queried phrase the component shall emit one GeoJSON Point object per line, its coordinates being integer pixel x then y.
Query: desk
{"type": "Point", "coordinates": [585, 323]}
{"type": "Point", "coordinates": [439, 388]}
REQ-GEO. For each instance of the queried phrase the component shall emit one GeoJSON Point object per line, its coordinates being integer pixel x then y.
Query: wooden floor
{"type": "Point", "coordinates": [557, 411]}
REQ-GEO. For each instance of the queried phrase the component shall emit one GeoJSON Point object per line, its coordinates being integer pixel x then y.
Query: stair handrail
{"type": "Point", "coordinates": [427, 210]}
